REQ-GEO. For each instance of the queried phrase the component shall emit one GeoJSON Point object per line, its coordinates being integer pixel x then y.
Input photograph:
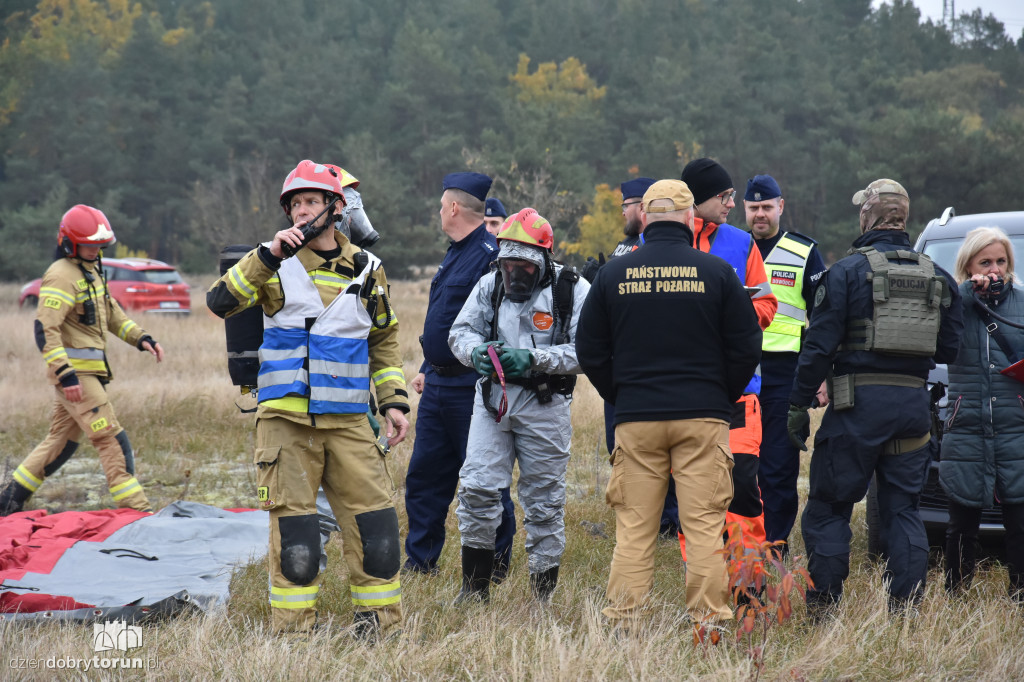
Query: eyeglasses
{"type": "Point", "coordinates": [726, 197]}
{"type": "Point", "coordinates": [627, 204]}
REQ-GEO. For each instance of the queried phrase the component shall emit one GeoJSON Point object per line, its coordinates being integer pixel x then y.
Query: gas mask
{"type": "Point", "coordinates": [354, 223]}
{"type": "Point", "coordinates": [522, 269]}
{"type": "Point", "coordinates": [520, 278]}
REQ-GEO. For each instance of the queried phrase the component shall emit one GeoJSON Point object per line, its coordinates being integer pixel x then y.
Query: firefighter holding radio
{"type": "Point", "coordinates": [329, 332]}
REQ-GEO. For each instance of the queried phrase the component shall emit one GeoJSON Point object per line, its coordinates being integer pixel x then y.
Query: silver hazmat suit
{"type": "Point", "coordinates": [534, 434]}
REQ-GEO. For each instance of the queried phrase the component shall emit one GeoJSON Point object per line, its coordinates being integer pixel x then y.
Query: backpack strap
{"type": "Point", "coordinates": [496, 295]}
{"type": "Point", "coordinates": [994, 331]}
{"type": "Point", "coordinates": [562, 299]}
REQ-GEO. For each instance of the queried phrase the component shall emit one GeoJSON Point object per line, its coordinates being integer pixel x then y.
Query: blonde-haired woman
{"type": "Point", "coordinates": [983, 445]}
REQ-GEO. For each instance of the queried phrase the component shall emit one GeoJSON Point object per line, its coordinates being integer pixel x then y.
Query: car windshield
{"type": "Point", "coordinates": [943, 252]}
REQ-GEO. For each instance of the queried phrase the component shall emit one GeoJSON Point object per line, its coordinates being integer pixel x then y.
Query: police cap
{"type": "Point", "coordinates": [494, 208]}
{"type": "Point", "coordinates": [635, 188]}
{"type": "Point", "coordinates": [474, 184]}
{"type": "Point", "coordinates": [762, 188]}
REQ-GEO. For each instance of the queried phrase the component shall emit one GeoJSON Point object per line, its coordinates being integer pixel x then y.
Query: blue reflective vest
{"type": "Point", "coordinates": [733, 245]}
{"type": "Point", "coordinates": [327, 361]}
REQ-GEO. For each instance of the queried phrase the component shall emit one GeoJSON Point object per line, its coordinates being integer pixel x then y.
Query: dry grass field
{"type": "Point", "coordinates": [193, 443]}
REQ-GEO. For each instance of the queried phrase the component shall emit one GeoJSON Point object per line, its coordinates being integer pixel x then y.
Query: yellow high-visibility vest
{"type": "Point", "coordinates": [785, 266]}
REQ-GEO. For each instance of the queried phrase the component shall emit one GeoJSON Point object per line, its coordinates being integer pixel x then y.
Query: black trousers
{"type": "Point", "coordinates": [962, 541]}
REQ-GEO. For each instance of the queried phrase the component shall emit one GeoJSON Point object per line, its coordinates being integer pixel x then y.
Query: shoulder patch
{"type": "Point", "coordinates": [51, 303]}
{"type": "Point", "coordinates": [819, 295]}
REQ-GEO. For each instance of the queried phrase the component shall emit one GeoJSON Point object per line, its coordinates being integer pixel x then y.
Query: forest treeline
{"type": "Point", "coordinates": [180, 118]}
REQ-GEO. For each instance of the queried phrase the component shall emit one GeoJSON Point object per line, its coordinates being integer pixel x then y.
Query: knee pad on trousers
{"type": "Point", "coordinates": [69, 449]}
{"type": "Point", "coordinates": [300, 547]}
{"type": "Point", "coordinates": [126, 448]}
{"type": "Point", "coordinates": [378, 531]}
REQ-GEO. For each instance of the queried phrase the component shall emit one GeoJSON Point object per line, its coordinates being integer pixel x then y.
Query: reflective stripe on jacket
{"type": "Point", "coordinates": [785, 265]}
{"type": "Point", "coordinates": [67, 343]}
{"type": "Point", "coordinates": [322, 369]}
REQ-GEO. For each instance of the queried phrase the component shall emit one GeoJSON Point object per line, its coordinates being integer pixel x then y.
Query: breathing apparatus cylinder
{"type": "Point", "coordinates": [244, 331]}
{"type": "Point", "coordinates": [354, 223]}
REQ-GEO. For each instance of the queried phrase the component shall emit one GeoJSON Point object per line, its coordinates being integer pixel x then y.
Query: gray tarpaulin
{"type": "Point", "coordinates": [181, 557]}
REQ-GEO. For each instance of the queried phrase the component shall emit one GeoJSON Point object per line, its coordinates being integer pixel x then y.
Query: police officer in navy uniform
{"type": "Point", "coordinates": [794, 267]}
{"type": "Point", "coordinates": [494, 214]}
{"type": "Point", "coordinates": [632, 196]}
{"type": "Point", "coordinates": [447, 386]}
{"type": "Point", "coordinates": [878, 422]}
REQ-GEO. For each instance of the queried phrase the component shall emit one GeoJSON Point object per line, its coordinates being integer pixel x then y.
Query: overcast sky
{"type": "Point", "coordinates": [1010, 12]}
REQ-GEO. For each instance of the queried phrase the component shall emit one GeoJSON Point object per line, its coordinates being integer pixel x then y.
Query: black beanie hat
{"type": "Point", "coordinates": [705, 178]}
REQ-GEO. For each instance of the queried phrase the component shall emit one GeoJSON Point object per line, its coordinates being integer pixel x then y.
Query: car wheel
{"type": "Point", "coordinates": [30, 302]}
{"type": "Point", "coordinates": [874, 524]}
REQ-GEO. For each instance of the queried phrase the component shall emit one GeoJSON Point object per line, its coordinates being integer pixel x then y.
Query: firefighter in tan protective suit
{"type": "Point", "coordinates": [75, 312]}
{"type": "Point", "coordinates": [329, 333]}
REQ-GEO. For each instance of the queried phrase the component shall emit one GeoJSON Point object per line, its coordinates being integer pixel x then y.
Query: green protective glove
{"type": "Point", "coordinates": [481, 360]}
{"type": "Point", "coordinates": [515, 361]}
{"type": "Point", "coordinates": [374, 424]}
{"type": "Point", "coordinates": [798, 424]}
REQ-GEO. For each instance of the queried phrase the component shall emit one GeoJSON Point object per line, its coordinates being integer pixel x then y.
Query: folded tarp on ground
{"type": "Point", "coordinates": [122, 563]}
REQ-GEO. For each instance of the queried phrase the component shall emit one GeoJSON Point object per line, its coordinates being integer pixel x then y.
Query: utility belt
{"type": "Point", "coordinates": [544, 385]}
{"type": "Point", "coordinates": [840, 388]}
{"type": "Point", "coordinates": [898, 446]}
{"type": "Point", "coordinates": [451, 370]}
{"type": "Point", "coordinates": [456, 370]}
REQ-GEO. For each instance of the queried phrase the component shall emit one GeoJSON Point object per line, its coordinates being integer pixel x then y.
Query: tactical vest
{"type": "Point", "coordinates": [786, 265]}
{"type": "Point", "coordinates": [907, 301]}
{"type": "Point", "coordinates": [733, 246]}
{"type": "Point", "coordinates": [316, 359]}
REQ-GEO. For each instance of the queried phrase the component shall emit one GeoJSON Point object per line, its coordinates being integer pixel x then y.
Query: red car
{"type": "Point", "coordinates": [144, 284]}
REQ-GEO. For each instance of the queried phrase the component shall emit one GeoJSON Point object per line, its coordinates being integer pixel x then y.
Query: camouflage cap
{"type": "Point", "coordinates": [881, 186]}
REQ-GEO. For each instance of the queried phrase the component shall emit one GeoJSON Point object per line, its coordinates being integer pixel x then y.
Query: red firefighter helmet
{"type": "Point", "coordinates": [527, 226]}
{"type": "Point", "coordinates": [84, 226]}
{"type": "Point", "coordinates": [311, 177]}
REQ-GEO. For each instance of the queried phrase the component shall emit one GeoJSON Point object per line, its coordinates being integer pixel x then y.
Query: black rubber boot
{"type": "Point", "coordinates": [365, 626]}
{"type": "Point", "coordinates": [477, 567]}
{"type": "Point", "coordinates": [821, 607]}
{"type": "Point", "coordinates": [543, 584]}
{"type": "Point", "coordinates": [500, 572]}
{"type": "Point", "coordinates": [12, 499]}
